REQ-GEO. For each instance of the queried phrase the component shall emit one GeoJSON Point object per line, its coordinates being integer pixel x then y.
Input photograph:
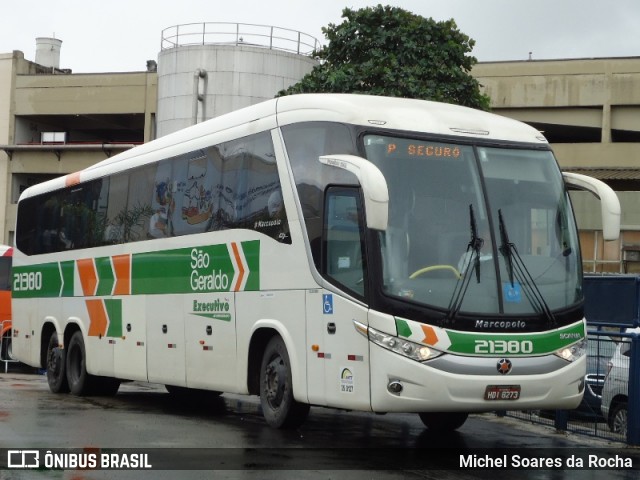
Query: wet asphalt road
{"type": "Point", "coordinates": [227, 438]}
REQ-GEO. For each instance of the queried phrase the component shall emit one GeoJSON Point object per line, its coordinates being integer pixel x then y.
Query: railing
{"type": "Point", "coordinates": [588, 418]}
{"type": "Point", "coordinates": [222, 33]}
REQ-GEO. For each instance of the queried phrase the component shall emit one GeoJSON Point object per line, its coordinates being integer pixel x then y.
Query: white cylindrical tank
{"type": "Point", "coordinates": [207, 69]}
{"type": "Point", "coordinates": [48, 52]}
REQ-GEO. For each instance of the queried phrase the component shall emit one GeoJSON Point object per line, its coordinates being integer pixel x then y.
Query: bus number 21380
{"type": "Point", "coordinates": [26, 281]}
{"type": "Point", "coordinates": [501, 347]}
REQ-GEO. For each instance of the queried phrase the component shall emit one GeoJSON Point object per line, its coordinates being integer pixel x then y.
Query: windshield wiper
{"type": "Point", "coordinates": [506, 247]}
{"type": "Point", "coordinates": [470, 263]}
{"type": "Point", "coordinates": [518, 271]}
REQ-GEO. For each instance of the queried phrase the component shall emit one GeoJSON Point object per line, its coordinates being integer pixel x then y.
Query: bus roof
{"type": "Point", "coordinates": [366, 110]}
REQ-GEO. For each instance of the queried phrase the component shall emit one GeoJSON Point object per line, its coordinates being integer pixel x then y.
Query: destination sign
{"type": "Point", "coordinates": [423, 150]}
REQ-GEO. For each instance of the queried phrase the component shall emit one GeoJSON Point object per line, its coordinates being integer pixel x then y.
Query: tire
{"type": "Point", "coordinates": [279, 408]}
{"type": "Point", "coordinates": [9, 350]}
{"type": "Point", "coordinates": [56, 366]}
{"type": "Point", "coordinates": [6, 352]}
{"type": "Point", "coordinates": [443, 421]}
{"type": "Point", "coordinates": [618, 419]}
{"type": "Point", "coordinates": [80, 382]}
{"type": "Point", "coordinates": [105, 386]}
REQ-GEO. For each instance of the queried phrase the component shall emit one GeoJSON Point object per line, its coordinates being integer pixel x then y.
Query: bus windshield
{"type": "Point", "coordinates": [483, 230]}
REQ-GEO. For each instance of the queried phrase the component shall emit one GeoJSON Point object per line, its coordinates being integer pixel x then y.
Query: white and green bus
{"type": "Point", "coordinates": [349, 251]}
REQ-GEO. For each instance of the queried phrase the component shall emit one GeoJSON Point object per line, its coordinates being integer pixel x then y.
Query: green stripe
{"type": "Point", "coordinates": [106, 278]}
{"type": "Point", "coordinates": [114, 312]}
{"type": "Point", "coordinates": [542, 343]}
{"type": "Point", "coordinates": [186, 270]}
{"type": "Point", "coordinates": [404, 330]}
{"type": "Point", "coordinates": [37, 281]}
{"type": "Point", "coordinates": [252, 256]}
{"type": "Point", "coordinates": [67, 277]}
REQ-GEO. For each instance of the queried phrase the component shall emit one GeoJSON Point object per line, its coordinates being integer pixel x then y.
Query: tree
{"type": "Point", "coordinates": [386, 50]}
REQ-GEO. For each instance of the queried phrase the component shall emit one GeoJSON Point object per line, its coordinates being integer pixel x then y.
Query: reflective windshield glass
{"type": "Point", "coordinates": [527, 189]}
{"type": "Point", "coordinates": [444, 246]}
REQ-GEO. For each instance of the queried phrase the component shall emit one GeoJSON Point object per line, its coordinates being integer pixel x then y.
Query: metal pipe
{"type": "Point", "coordinates": [200, 84]}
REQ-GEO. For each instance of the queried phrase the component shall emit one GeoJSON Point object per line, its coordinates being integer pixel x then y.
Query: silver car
{"type": "Point", "coordinates": [615, 392]}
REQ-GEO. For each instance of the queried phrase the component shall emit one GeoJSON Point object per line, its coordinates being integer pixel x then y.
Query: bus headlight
{"type": "Point", "coordinates": [401, 346]}
{"type": "Point", "coordinates": [573, 352]}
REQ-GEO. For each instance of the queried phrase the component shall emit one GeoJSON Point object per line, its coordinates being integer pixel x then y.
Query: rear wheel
{"type": "Point", "coordinates": [279, 408]}
{"type": "Point", "coordinates": [105, 386]}
{"type": "Point", "coordinates": [56, 366]}
{"type": "Point", "coordinates": [80, 382]}
{"type": "Point", "coordinates": [443, 421]}
{"type": "Point", "coordinates": [6, 353]}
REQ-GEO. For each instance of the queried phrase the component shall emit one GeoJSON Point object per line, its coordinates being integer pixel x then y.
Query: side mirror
{"type": "Point", "coordinates": [610, 204]}
{"type": "Point", "coordinates": [373, 183]}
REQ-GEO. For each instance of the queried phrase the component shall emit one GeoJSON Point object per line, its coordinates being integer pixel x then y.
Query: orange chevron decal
{"type": "Point", "coordinates": [430, 337]}
{"type": "Point", "coordinates": [88, 276]}
{"type": "Point", "coordinates": [236, 254]}
{"type": "Point", "coordinates": [122, 269]}
{"type": "Point", "coordinates": [97, 318]}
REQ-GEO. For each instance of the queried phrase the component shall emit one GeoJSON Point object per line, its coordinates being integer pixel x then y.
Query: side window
{"type": "Point", "coordinates": [250, 194]}
{"type": "Point", "coordinates": [305, 142]}
{"type": "Point", "coordinates": [5, 274]}
{"type": "Point", "coordinates": [231, 185]}
{"type": "Point", "coordinates": [113, 201]}
{"type": "Point", "coordinates": [344, 259]}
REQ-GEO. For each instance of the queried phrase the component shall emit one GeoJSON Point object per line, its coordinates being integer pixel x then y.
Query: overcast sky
{"type": "Point", "coordinates": [121, 35]}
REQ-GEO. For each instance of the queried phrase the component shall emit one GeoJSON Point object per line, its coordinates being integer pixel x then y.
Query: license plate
{"type": "Point", "coordinates": [502, 392]}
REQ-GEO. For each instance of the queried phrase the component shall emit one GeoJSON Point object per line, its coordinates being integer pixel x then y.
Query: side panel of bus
{"type": "Point", "coordinates": [210, 341]}
{"type": "Point", "coordinates": [339, 369]}
{"type": "Point", "coordinates": [130, 349]}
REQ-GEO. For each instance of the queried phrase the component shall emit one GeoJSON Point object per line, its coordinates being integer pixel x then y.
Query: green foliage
{"type": "Point", "coordinates": [130, 222]}
{"type": "Point", "coordinates": [389, 51]}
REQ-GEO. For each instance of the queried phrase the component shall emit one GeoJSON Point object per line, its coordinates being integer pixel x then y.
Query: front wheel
{"type": "Point", "coordinates": [279, 408]}
{"type": "Point", "coordinates": [56, 366]}
{"type": "Point", "coordinates": [618, 419]}
{"type": "Point", "coordinates": [443, 421]}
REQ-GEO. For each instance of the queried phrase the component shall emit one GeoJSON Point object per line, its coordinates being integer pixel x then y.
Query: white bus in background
{"type": "Point", "coordinates": [359, 252]}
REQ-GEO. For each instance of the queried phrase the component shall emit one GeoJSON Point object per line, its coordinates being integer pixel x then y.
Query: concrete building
{"type": "Point", "coordinates": [589, 109]}
{"type": "Point", "coordinates": [54, 122]}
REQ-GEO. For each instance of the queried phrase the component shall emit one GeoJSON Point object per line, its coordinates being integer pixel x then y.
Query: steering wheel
{"type": "Point", "coordinates": [431, 268]}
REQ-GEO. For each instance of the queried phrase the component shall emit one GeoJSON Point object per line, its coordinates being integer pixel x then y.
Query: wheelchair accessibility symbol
{"type": "Point", "coordinates": [512, 292]}
{"type": "Point", "coordinates": [327, 304]}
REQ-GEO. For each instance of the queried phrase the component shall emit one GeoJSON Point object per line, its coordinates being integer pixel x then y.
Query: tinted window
{"type": "Point", "coordinates": [231, 185]}
{"type": "Point", "coordinates": [305, 143]}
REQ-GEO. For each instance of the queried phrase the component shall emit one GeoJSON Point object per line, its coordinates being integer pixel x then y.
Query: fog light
{"type": "Point", "coordinates": [395, 387]}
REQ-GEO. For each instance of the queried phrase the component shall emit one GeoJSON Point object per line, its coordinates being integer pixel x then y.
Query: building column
{"type": "Point", "coordinates": [606, 108]}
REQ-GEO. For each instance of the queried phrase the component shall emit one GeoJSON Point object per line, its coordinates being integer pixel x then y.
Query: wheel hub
{"type": "Point", "coordinates": [54, 361]}
{"type": "Point", "coordinates": [274, 382]}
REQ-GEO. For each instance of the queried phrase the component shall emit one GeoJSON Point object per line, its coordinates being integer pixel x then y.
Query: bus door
{"type": "Point", "coordinates": [343, 351]}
